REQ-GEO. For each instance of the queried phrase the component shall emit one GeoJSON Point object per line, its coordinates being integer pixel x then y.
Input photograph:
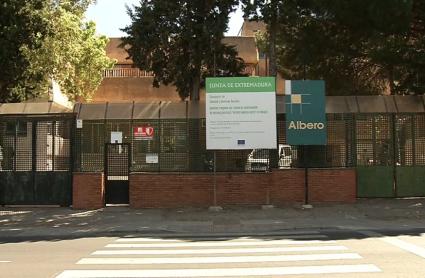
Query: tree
{"type": "Point", "coordinates": [266, 11]}
{"type": "Point", "coordinates": [358, 47]}
{"type": "Point", "coordinates": [45, 40]}
{"type": "Point", "coordinates": [180, 40]}
{"type": "Point", "coordinates": [20, 24]}
{"type": "Point", "coordinates": [73, 54]}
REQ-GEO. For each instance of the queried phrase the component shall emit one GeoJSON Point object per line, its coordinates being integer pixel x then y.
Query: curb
{"type": "Point", "coordinates": [164, 233]}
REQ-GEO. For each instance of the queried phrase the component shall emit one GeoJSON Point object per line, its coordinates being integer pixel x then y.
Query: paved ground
{"type": "Point", "coordinates": [306, 253]}
{"type": "Point", "coordinates": [366, 214]}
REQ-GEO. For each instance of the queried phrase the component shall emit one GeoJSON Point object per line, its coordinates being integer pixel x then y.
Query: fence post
{"type": "Point", "coordinates": [413, 119]}
{"type": "Point", "coordinates": [34, 158]}
{"type": "Point", "coordinates": [159, 137]}
{"type": "Point", "coordinates": [306, 162]}
{"type": "Point", "coordinates": [374, 139]}
{"type": "Point", "coordinates": [354, 141]}
{"type": "Point", "coordinates": [394, 149]}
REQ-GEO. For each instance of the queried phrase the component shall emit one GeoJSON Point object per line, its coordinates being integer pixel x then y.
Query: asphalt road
{"type": "Point", "coordinates": [345, 254]}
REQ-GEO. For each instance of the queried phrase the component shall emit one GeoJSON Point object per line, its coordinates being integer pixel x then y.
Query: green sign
{"type": "Point", "coordinates": [241, 113]}
{"type": "Point", "coordinates": [240, 84]}
{"type": "Point", "coordinates": [305, 112]}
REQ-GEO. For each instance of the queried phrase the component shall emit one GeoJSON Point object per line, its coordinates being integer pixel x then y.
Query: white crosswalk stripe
{"type": "Point", "coordinates": [213, 244]}
{"type": "Point", "coordinates": [217, 272]}
{"type": "Point", "coordinates": [220, 257]}
{"type": "Point", "coordinates": [213, 260]}
{"type": "Point", "coordinates": [281, 236]}
{"type": "Point", "coordinates": [219, 251]}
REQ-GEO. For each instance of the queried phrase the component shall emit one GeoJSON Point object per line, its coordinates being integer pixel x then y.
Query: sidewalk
{"type": "Point", "coordinates": [366, 214]}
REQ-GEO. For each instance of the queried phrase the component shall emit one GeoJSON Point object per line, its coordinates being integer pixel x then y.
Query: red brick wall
{"type": "Point", "coordinates": [88, 191]}
{"type": "Point", "coordinates": [332, 186]}
{"type": "Point", "coordinates": [288, 186]}
{"type": "Point", "coordinates": [154, 190]}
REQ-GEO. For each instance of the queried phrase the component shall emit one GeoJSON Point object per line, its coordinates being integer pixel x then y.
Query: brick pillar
{"type": "Point", "coordinates": [88, 191]}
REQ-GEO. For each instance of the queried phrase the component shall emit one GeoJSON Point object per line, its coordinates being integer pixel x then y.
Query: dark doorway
{"type": "Point", "coordinates": [117, 165]}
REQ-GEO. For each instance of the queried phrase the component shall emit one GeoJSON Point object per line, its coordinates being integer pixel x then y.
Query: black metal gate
{"type": "Point", "coordinates": [36, 160]}
{"type": "Point", "coordinates": [117, 169]}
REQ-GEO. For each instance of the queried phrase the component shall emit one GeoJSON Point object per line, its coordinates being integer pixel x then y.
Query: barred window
{"type": "Point", "coordinates": [18, 128]}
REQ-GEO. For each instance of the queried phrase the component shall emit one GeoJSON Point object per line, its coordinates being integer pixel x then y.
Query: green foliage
{"type": "Point", "coordinates": [73, 54]}
{"type": "Point", "coordinates": [357, 47]}
{"type": "Point", "coordinates": [20, 25]}
{"type": "Point", "coordinates": [177, 41]}
{"type": "Point", "coordinates": [53, 42]}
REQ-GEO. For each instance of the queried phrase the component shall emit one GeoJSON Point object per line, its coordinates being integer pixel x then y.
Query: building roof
{"type": "Point", "coordinates": [33, 108]}
{"type": "Point", "coordinates": [115, 52]}
{"type": "Point", "coordinates": [195, 110]}
{"type": "Point", "coordinates": [249, 28]}
{"type": "Point", "coordinates": [245, 46]}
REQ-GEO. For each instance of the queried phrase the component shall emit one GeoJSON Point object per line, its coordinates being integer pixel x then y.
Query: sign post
{"type": "Point", "coordinates": [240, 114]}
{"type": "Point", "coordinates": [305, 116]}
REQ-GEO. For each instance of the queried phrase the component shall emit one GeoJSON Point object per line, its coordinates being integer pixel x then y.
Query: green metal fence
{"type": "Point", "coordinates": [390, 155]}
{"type": "Point", "coordinates": [387, 150]}
{"type": "Point", "coordinates": [375, 155]}
{"type": "Point", "coordinates": [410, 155]}
{"type": "Point", "coordinates": [180, 146]}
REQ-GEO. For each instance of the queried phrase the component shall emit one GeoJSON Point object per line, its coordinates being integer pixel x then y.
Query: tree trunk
{"type": "Point", "coordinates": [195, 155]}
{"type": "Point", "coordinates": [391, 80]}
{"type": "Point", "coordinates": [196, 84]}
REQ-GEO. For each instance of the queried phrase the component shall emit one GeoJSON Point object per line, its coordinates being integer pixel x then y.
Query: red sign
{"type": "Point", "coordinates": [143, 132]}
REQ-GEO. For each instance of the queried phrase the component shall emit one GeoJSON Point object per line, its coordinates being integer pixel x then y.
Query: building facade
{"type": "Point", "coordinates": [124, 83]}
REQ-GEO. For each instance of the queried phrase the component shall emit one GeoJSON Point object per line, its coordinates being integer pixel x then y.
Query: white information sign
{"type": "Point", "coordinates": [116, 137]}
{"type": "Point", "coordinates": [79, 123]}
{"type": "Point", "coordinates": [241, 113]}
{"type": "Point", "coordinates": [151, 158]}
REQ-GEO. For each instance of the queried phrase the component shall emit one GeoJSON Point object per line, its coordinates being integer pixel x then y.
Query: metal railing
{"type": "Point", "coordinates": [250, 71]}
{"type": "Point", "coordinates": [126, 72]}
{"type": "Point", "coordinates": [134, 72]}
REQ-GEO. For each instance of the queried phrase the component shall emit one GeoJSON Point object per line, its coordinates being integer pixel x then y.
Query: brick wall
{"type": "Point", "coordinates": [332, 186]}
{"type": "Point", "coordinates": [154, 190]}
{"type": "Point", "coordinates": [170, 190]}
{"type": "Point", "coordinates": [288, 187]}
{"type": "Point", "coordinates": [88, 191]}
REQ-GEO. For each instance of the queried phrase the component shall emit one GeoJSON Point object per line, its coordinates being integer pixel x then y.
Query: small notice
{"type": "Point", "coordinates": [143, 132]}
{"type": "Point", "coordinates": [116, 137]}
{"type": "Point", "coordinates": [79, 123]}
{"type": "Point", "coordinates": [151, 158]}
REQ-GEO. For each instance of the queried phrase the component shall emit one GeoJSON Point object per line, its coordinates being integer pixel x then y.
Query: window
{"type": "Point", "coordinates": [286, 151]}
{"type": "Point", "coordinates": [262, 55]}
{"type": "Point", "coordinates": [260, 154]}
{"type": "Point", "coordinates": [17, 129]}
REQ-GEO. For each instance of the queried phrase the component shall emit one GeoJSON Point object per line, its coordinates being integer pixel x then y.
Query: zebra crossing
{"type": "Point", "coordinates": [293, 253]}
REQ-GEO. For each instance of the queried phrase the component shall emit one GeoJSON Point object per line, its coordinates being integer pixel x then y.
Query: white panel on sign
{"type": "Point", "coordinates": [116, 137]}
{"type": "Point", "coordinates": [151, 158]}
{"type": "Point", "coordinates": [241, 113]}
{"type": "Point", "coordinates": [79, 123]}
